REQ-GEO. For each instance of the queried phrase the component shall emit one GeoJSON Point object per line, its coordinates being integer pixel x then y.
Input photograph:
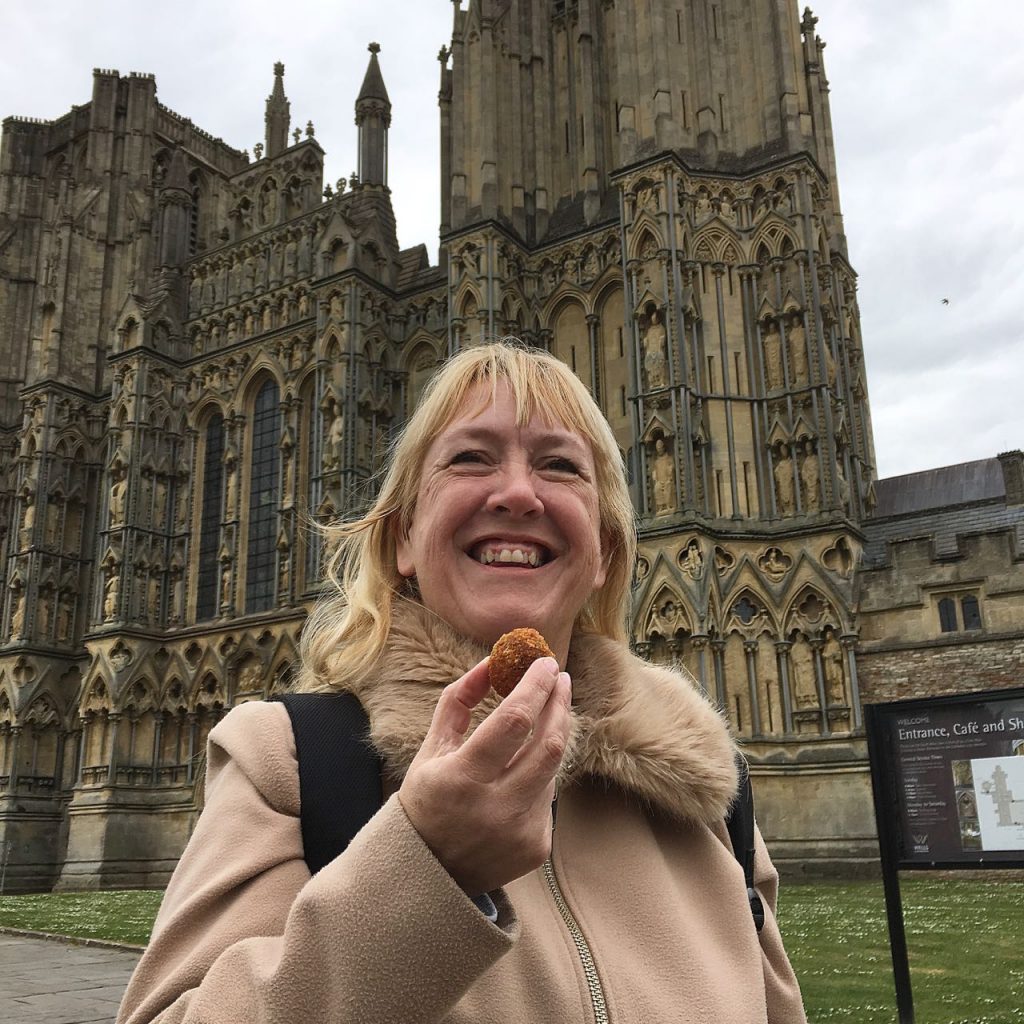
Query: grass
{"type": "Point", "coordinates": [964, 938]}
{"type": "Point", "coordinates": [116, 916]}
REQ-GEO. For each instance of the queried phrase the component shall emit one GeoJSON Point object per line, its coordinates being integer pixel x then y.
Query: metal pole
{"type": "Point", "coordinates": [889, 851]}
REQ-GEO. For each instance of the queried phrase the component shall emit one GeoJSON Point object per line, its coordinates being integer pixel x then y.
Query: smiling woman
{"type": "Point", "coordinates": [505, 506]}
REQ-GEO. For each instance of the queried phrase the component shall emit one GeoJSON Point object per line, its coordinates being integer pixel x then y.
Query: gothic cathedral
{"type": "Point", "coordinates": [206, 352]}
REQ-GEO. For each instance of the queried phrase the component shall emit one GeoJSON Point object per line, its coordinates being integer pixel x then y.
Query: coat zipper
{"type": "Point", "coordinates": [586, 957]}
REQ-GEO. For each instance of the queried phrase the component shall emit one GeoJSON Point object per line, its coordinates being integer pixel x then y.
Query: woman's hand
{"type": "Point", "coordinates": [483, 804]}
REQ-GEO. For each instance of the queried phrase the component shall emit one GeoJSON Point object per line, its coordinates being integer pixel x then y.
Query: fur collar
{"type": "Point", "coordinates": [638, 727]}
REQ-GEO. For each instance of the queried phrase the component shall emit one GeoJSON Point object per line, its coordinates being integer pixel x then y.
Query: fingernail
{"type": "Point", "coordinates": [550, 665]}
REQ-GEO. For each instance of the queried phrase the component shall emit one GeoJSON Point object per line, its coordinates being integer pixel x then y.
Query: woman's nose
{"type": "Point", "coordinates": [515, 492]}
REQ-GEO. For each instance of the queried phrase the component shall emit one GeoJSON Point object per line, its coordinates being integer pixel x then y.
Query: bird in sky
{"type": "Point", "coordinates": [945, 302]}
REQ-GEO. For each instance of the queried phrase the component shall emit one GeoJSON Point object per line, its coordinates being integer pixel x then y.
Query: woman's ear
{"type": "Point", "coordinates": [606, 560]}
{"type": "Point", "coordinates": [404, 559]}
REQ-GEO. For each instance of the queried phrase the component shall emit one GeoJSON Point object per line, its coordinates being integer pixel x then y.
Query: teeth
{"type": "Point", "coordinates": [509, 556]}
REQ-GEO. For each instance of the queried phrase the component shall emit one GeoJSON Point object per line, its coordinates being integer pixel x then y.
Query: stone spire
{"type": "Point", "coordinates": [278, 115]}
{"type": "Point", "coordinates": [373, 116]}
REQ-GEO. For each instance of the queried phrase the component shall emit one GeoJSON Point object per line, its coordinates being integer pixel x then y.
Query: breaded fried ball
{"type": "Point", "coordinates": [512, 655]}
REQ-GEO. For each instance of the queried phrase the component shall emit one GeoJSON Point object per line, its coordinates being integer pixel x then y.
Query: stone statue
{"type": "Point", "coordinates": [248, 274]}
{"type": "Point", "coordinates": [18, 615]}
{"type": "Point", "coordinates": [225, 586]}
{"type": "Point", "coordinates": [195, 291]}
{"type": "Point", "coordinates": [28, 521]}
{"type": "Point", "coordinates": [785, 492]}
{"type": "Point", "coordinates": [842, 484]}
{"type": "Point", "coordinates": [835, 671]}
{"type": "Point", "coordinates": [335, 439]}
{"type": "Point", "coordinates": [268, 205]}
{"type": "Point", "coordinates": [774, 564]}
{"type": "Point", "coordinates": [43, 609]}
{"type": "Point", "coordinates": [178, 598]}
{"type": "Point", "coordinates": [655, 361]}
{"type": "Point", "coordinates": [251, 678]}
{"type": "Point", "coordinates": [291, 258]}
{"type": "Point", "coordinates": [830, 367]}
{"type": "Point", "coordinates": [805, 685]}
{"type": "Point", "coordinates": [160, 503]}
{"type": "Point", "coordinates": [667, 619]}
{"type": "Point", "coordinates": [797, 349]}
{"type": "Point", "coordinates": [663, 479]}
{"type": "Point", "coordinates": [692, 561]}
{"type": "Point", "coordinates": [118, 491]}
{"type": "Point", "coordinates": [65, 603]}
{"type": "Point", "coordinates": [209, 296]}
{"type": "Point", "coordinates": [153, 608]}
{"type": "Point", "coordinates": [52, 523]}
{"type": "Point", "coordinates": [305, 253]}
{"type": "Point", "coordinates": [111, 591]}
{"type": "Point", "coordinates": [230, 490]}
{"type": "Point", "coordinates": [810, 478]}
{"type": "Point", "coordinates": [773, 358]}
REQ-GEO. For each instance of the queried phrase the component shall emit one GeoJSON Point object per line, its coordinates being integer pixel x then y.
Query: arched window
{"type": "Point", "coordinates": [209, 526]}
{"type": "Point", "coordinates": [947, 615]}
{"type": "Point", "coordinates": [261, 551]}
{"type": "Point", "coordinates": [971, 612]}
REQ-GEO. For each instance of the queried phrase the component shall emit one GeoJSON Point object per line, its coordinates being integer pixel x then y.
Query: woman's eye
{"type": "Point", "coordinates": [563, 465]}
{"type": "Point", "coordinates": [468, 457]}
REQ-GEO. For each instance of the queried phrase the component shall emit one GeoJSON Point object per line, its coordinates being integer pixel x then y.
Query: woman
{"type": "Point", "coordinates": [504, 506]}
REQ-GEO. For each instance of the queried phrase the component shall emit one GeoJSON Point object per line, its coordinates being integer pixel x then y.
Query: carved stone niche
{"type": "Point", "coordinates": [724, 560]}
{"type": "Point", "coordinates": [774, 563]}
{"type": "Point", "coordinates": [839, 558]}
{"type": "Point", "coordinates": [691, 559]}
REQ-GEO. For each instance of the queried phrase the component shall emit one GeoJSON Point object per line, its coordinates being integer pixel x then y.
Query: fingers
{"type": "Point", "coordinates": [541, 756]}
{"type": "Point", "coordinates": [499, 737]}
{"type": "Point", "coordinates": [454, 711]}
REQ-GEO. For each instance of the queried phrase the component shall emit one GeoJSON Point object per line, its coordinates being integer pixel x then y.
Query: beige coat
{"type": "Point", "coordinates": [641, 875]}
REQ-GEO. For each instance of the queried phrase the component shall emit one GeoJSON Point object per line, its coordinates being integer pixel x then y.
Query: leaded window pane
{"type": "Point", "coordinates": [971, 612]}
{"type": "Point", "coordinates": [261, 553]}
{"type": "Point", "coordinates": [209, 528]}
{"type": "Point", "coordinates": [947, 615]}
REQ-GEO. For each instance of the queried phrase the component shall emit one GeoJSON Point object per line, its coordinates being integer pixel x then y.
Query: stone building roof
{"type": "Point", "coordinates": [941, 503]}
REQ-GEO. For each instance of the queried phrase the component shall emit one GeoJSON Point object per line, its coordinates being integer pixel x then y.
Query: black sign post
{"type": "Point", "coordinates": [947, 775]}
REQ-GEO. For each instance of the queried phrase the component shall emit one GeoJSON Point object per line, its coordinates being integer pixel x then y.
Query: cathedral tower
{"type": "Point", "coordinates": [649, 191]}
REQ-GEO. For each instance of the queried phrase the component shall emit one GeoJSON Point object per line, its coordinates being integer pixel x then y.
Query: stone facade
{"type": "Point", "coordinates": [941, 608]}
{"type": "Point", "coordinates": [208, 351]}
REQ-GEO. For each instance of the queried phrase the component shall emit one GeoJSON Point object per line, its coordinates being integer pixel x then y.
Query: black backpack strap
{"type": "Point", "coordinates": [339, 771]}
{"type": "Point", "coordinates": [740, 823]}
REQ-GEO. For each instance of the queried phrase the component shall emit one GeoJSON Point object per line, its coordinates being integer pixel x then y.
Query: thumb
{"type": "Point", "coordinates": [454, 711]}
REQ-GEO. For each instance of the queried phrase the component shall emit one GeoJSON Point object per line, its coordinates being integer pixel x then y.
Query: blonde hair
{"type": "Point", "coordinates": [349, 625]}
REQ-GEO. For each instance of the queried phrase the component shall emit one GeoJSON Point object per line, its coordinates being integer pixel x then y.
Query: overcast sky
{"type": "Point", "coordinates": [927, 109]}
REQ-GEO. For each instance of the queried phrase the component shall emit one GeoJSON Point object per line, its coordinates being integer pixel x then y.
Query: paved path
{"type": "Point", "coordinates": [44, 982]}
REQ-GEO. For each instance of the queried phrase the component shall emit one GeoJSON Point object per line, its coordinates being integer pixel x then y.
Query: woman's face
{"type": "Point", "coordinates": [506, 531]}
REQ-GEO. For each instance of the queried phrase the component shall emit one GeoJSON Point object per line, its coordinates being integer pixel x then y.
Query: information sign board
{"type": "Point", "coordinates": [953, 771]}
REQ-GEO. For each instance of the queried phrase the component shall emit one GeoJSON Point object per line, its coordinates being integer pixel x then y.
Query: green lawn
{"type": "Point", "coordinates": [117, 916]}
{"type": "Point", "coordinates": [964, 937]}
